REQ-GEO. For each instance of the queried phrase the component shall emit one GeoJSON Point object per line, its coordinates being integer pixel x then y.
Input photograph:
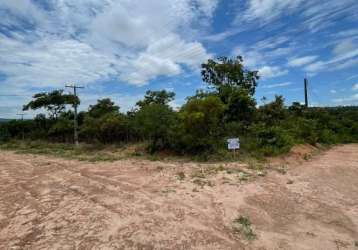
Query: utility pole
{"type": "Point", "coordinates": [306, 94]}
{"type": "Point", "coordinates": [22, 125]}
{"type": "Point", "coordinates": [75, 122]}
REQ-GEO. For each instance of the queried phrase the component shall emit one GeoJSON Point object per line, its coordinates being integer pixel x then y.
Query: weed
{"type": "Point", "coordinates": [242, 225]}
{"type": "Point", "coordinates": [202, 183]}
{"type": "Point", "coordinates": [282, 169]}
{"type": "Point", "coordinates": [255, 165]}
{"type": "Point", "coordinates": [306, 157]}
{"type": "Point", "coordinates": [261, 173]}
{"type": "Point", "coordinates": [198, 174]}
{"type": "Point", "coordinates": [181, 175]}
{"type": "Point", "coordinates": [153, 158]}
{"type": "Point", "coordinates": [169, 190]}
{"type": "Point", "coordinates": [243, 176]}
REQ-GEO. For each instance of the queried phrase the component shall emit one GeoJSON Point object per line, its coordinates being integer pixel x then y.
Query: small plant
{"type": "Point", "coordinates": [169, 190]}
{"type": "Point", "coordinates": [202, 183]}
{"type": "Point", "coordinates": [261, 173]}
{"type": "Point", "coordinates": [181, 175]}
{"type": "Point", "coordinates": [198, 174]}
{"type": "Point", "coordinates": [282, 169]}
{"type": "Point", "coordinates": [242, 225]}
{"type": "Point", "coordinates": [153, 157]}
{"type": "Point", "coordinates": [306, 157]}
{"type": "Point", "coordinates": [243, 176]}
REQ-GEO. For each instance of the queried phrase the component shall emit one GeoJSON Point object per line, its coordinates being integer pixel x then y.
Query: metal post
{"type": "Point", "coordinates": [306, 95]}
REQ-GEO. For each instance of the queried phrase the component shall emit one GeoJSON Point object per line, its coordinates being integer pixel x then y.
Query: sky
{"type": "Point", "coordinates": [122, 48]}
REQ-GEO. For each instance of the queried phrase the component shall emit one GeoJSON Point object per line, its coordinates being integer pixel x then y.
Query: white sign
{"type": "Point", "coordinates": [233, 143]}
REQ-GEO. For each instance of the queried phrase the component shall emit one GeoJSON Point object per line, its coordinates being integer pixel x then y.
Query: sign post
{"type": "Point", "coordinates": [233, 144]}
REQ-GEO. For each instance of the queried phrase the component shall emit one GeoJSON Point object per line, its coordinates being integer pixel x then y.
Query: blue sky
{"type": "Point", "coordinates": [121, 48]}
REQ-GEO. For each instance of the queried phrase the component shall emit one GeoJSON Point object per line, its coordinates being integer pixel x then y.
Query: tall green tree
{"type": "Point", "coordinates": [161, 97]}
{"type": "Point", "coordinates": [102, 107]}
{"type": "Point", "coordinates": [54, 102]}
{"type": "Point", "coordinates": [235, 85]}
{"type": "Point", "coordinates": [227, 72]}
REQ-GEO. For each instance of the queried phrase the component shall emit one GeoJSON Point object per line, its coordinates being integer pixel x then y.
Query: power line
{"type": "Point", "coordinates": [75, 122]}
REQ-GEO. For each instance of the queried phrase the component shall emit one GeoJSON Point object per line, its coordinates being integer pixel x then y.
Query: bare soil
{"type": "Point", "coordinates": [49, 203]}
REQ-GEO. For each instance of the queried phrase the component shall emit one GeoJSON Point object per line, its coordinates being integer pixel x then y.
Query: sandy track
{"type": "Point", "coordinates": [48, 203]}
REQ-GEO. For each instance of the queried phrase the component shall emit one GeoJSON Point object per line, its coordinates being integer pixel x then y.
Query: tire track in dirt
{"type": "Point", "coordinates": [49, 203]}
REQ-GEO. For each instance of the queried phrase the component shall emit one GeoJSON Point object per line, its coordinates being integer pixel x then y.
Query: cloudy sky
{"type": "Point", "coordinates": [121, 48]}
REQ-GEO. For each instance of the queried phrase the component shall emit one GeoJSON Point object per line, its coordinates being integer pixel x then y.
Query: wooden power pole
{"type": "Point", "coordinates": [75, 122]}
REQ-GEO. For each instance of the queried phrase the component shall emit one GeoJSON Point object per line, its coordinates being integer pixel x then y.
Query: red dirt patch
{"type": "Point", "coordinates": [48, 203]}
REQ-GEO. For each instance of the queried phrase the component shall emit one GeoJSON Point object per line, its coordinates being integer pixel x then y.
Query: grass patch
{"type": "Point", "coordinates": [83, 152]}
{"type": "Point", "coordinates": [242, 225]}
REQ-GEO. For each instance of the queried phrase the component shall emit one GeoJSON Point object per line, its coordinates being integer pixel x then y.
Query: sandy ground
{"type": "Point", "coordinates": [49, 203]}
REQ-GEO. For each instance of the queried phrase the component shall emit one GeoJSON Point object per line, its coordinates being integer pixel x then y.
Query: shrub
{"type": "Point", "coordinates": [200, 124]}
{"type": "Point", "coordinates": [274, 140]}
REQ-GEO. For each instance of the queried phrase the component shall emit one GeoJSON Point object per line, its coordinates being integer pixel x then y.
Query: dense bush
{"type": "Point", "coordinates": [201, 126]}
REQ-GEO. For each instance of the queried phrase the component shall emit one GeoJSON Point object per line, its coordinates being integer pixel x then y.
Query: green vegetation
{"type": "Point", "coordinates": [242, 225]}
{"type": "Point", "coordinates": [198, 129]}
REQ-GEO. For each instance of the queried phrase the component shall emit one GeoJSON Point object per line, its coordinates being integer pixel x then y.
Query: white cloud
{"type": "Point", "coordinates": [261, 59]}
{"type": "Point", "coordinates": [267, 72]}
{"type": "Point", "coordinates": [314, 15]}
{"type": "Point", "coordinates": [352, 77]}
{"type": "Point", "coordinates": [87, 41]}
{"type": "Point", "coordinates": [301, 61]}
{"type": "Point", "coordinates": [277, 85]}
{"type": "Point", "coordinates": [252, 58]}
{"type": "Point", "coordinates": [52, 63]}
{"type": "Point", "coordinates": [333, 91]}
{"type": "Point", "coordinates": [345, 56]}
{"type": "Point", "coordinates": [207, 6]}
{"type": "Point", "coordinates": [269, 9]}
{"type": "Point", "coordinates": [355, 86]}
{"type": "Point", "coordinates": [353, 99]}
{"type": "Point", "coordinates": [344, 47]}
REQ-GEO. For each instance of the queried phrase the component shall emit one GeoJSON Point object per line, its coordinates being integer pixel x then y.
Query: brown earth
{"type": "Point", "coordinates": [49, 203]}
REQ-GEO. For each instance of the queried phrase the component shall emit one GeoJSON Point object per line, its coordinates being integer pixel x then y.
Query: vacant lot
{"type": "Point", "coordinates": [49, 203]}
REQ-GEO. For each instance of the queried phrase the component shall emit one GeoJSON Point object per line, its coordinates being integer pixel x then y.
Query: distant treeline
{"type": "Point", "coordinates": [201, 126]}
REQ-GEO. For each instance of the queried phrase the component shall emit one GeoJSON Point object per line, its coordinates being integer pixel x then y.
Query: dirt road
{"type": "Point", "coordinates": [48, 203]}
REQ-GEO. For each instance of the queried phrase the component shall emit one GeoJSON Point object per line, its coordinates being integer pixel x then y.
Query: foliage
{"type": "Point", "coordinates": [242, 225]}
{"type": "Point", "coordinates": [155, 122]}
{"type": "Point", "coordinates": [273, 140]}
{"type": "Point", "coordinates": [199, 128]}
{"type": "Point", "coordinates": [54, 102]}
{"type": "Point", "coordinates": [161, 97]}
{"type": "Point", "coordinates": [200, 124]}
{"type": "Point", "coordinates": [273, 112]}
{"type": "Point", "coordinates": [102, 107]}
{"type": "Point", "coordinates": [230, 72]}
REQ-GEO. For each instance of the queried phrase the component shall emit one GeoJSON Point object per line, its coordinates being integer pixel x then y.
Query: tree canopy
{"type": "Point", "coordinates": [54, 102]}
{"type": "Point", "coordinates": [161, 97]}
{"type": "Point", "coordinates": [229, 72]}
